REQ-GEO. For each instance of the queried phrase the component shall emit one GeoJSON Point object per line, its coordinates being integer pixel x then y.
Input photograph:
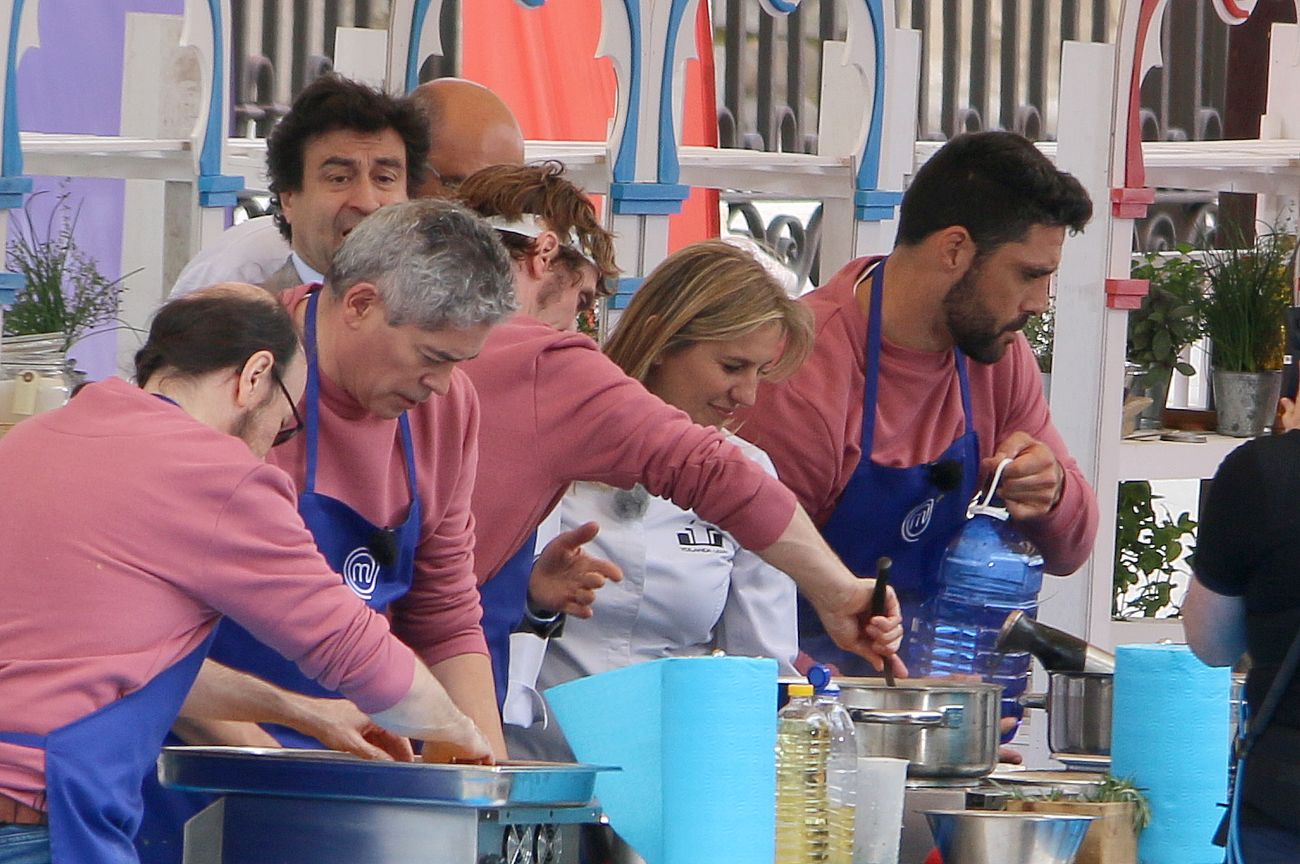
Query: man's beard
{"type": "Point", "coordinates": [244, 425]}
{"type": "Point", "coordinates": [973, 328]}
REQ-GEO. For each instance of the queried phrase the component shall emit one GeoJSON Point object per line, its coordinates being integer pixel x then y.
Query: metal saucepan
{"type": "Point", "coordinates": [944, 728]}
{"type": "Point", "coordinates": [1078, 712]}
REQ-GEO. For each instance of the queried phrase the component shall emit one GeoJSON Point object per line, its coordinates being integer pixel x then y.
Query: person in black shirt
{"type": "Point", "coordinates": [1245, 598]}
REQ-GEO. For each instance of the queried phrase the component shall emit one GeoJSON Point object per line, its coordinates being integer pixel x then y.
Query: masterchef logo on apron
{"type": "Point", "coordinates": [917, 520]}
{"type": "Point", "coordinates": [361, 572]}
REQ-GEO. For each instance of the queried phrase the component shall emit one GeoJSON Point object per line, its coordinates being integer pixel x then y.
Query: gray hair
{"type": "Point", "coordinates": [434, 263]}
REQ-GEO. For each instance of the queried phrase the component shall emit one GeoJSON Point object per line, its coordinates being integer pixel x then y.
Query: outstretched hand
{"type": "Point", "coordinates": [565, 578]}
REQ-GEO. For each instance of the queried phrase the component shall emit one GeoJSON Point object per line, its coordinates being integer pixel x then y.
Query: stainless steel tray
{"type": "Point", "coordinates": [341, 776]}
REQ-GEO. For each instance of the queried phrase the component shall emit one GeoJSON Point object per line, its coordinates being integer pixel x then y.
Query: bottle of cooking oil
{"type": "Point", "coordinates": [803, 741]}
{"type": "Point", "coordinates": [841, 774]}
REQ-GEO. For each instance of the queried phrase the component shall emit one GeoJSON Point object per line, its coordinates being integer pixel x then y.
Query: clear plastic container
{"type": "Point", "coordinates": [988, 571]}
{"type": "Point", "coordinates": [30, 390]}
{"type": "Point", "coordinates": [803, 743]}
{"type": "Point", "coordinates": [841, 775]}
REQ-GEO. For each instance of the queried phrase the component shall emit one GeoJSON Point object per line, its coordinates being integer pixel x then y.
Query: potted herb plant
{"type": "Point", "coordinates": [1244, 310]}
{"type": "Point", "coordinates": [1168, 320]}
{"type": "Point", "coordinates": [63, 291]}
{"type": "Point", "coordinates": [1119, 809]}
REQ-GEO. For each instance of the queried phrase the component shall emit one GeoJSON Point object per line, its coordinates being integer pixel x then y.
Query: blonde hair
{"type": "Point", "coordinates": [707, 292]}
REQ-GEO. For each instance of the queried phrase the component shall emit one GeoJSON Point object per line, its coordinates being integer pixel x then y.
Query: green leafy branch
{"type": "Point", "coordinates": [1148, 544]}
{"type": "Point", "coordinates": [1170, 318]}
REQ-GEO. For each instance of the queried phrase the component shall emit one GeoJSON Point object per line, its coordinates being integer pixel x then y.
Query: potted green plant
{"type": "Point", "coordinates": [63, 291]}
{"type": "Point", "coordinates": [1245, 313]}
{"type": "Point", "coordinates": [1149, 542]}
{"type": "Point", "coordinates": [1168, 321]}
{"type": "Point", "coordinates": [1119, 809]}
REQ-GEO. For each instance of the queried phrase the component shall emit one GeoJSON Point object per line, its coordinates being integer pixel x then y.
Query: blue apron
{"type": "Point", "coordinates": [94, 766]}
{"type": "Point", "coordinates": [504, 598]}
{"type": "Point", "coordinates": [897, 512]}
{"type": "Point", "coordinates": [376, 563]}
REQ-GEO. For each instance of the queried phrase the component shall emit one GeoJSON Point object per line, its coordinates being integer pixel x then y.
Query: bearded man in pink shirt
{"type": "Point", "coordinates": [139, 517]}
{"type": "Point", "coordinates": [887, 429]}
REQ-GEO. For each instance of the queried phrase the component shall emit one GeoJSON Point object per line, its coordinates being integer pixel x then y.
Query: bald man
{"type": "Point", "coordinates": [470, 128]}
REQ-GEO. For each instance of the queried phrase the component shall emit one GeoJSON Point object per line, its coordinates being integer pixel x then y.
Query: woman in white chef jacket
{"type": "Point", "coordinates": [705, 326]}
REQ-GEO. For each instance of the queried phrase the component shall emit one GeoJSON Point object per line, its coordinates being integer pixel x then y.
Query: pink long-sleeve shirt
{"type": "Point", "coordinates": [555, 410]}
{"type": "Point", "coordinates": [360, 462]}
{"type": "Point", "coordinates": [811, 423]}
{"type": "Point", "coordinates": [127, 528]}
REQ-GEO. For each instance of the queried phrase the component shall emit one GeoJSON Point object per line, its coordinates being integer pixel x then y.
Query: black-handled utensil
{"type": "Point", "coordinates": [883, 565]}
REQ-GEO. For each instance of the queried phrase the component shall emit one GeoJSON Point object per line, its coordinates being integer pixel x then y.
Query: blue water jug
{"type": "Point", "coordinates": [988, 571]}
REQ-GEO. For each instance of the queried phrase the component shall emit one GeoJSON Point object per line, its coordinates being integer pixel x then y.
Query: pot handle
{"type": "Point", "coordinates": [1033, 700]}
{"type": "Point", "coordinates": [947, 716]}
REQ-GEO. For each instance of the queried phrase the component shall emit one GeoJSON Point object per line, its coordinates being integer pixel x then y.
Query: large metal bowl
{"type": "Point", "coordinates": [995, 837]}
{"type": "Point", "coordinates": [945, 728]}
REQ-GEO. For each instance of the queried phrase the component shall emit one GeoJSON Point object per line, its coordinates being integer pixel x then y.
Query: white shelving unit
{"type": "Point", "coordinates": [1170, 460]}
{"type": "Point", "coordinates": [866, 149]}
{"type": "Point", "coordinates": [1089, 354]}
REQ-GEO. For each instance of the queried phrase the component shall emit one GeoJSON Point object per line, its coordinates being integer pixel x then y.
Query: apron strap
{"type": "Point", "coordinates": [873, 360]}
{"type": "Point", "coordinates": [312, 399]}
{"type": "Point", "coordinates": [24, 739]}
{"type": "Point", "coordinates": [312, 396]}
{"type": "Point", "coordinates": [873, 367]}
{"type": "Point", "coordinates": [408, 451]}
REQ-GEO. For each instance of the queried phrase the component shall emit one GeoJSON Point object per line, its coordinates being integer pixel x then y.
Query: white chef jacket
{"type": "Point", "coordinates": [687, 589]}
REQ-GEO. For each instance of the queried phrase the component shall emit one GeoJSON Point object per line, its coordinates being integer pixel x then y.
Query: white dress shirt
{"type": "Point", "coordinates": [248, 252]}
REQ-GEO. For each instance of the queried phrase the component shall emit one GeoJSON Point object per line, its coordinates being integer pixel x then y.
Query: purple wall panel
{"type": "Point", "coordinates": [72, 82]}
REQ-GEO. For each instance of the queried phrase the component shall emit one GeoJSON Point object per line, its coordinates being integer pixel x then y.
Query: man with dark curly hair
{"type": "Point", "coordinates": [447, 128]}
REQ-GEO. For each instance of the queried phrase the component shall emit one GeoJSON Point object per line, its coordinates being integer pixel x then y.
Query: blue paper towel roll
{"type": "Point", "coordinates": [696, 739]}
{"type": "Point", "coordinates": [1170, 736]}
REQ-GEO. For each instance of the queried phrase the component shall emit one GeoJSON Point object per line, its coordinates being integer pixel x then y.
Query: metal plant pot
{"type": "Point", "coordinates": [1246, 402]}
{"type": "Point", "coordinates": [944, 728]}
{"type": "Point", "coordinates": [1158, 391]}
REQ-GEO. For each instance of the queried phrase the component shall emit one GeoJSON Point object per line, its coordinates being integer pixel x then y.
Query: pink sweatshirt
{"type": "Point", "coordinates": [556, 410]}
{"type": "Point", "coordinates": [127, 528]}
{"type": "Point", "coordinates": [811, 423]}
{"type": "Point", "coordinates": [360, 462]}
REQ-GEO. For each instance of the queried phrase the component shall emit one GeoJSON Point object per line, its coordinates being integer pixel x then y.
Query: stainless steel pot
{"type": "Point", "coordinates": [944, 728]}
{"type": "Point", "coordinates": [1078, 712]}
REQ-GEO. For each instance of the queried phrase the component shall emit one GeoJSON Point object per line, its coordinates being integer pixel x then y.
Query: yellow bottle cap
{"type": "Point", "coordinates": [800, 690]}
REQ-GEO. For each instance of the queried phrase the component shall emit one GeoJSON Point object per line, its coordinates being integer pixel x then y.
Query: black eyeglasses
{"type": "Point", "coordinates": [287, 433]}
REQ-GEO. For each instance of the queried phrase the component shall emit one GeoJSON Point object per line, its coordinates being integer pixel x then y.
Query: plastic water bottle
{"type": "Point", "coordinates": [841, 775]}
{"type": "Point", "coordinates": [988, 571]}
{"type": "Point", "coordinates": [803, 741]}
